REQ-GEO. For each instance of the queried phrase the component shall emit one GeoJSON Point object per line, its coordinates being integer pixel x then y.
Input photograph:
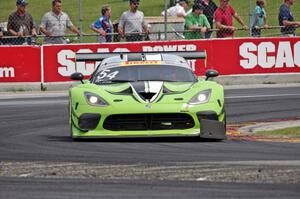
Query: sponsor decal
{"type": "Point", "coordinates": [7, 72]}
{"type": "Point", "coordinates": [68, 66]}
{"type": "Point", "coordinates": [134, 63]}
{"type": "Point", "coordinates": [175, 48]}
{"type": "Point", "coordinates": [268, 55]}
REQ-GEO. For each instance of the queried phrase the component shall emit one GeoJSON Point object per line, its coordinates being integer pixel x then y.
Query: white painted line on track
{"type": "Point", "coordinates": [31, 95]}
{"type": "Point", "coordinates": [246, 162]}
{"type": "Point", "coordinates": [201, 179]}
{"type": "Point", "coordinates": [261, 96]}
{"type": "Point", "coordinates": [25, 175]}
{"type": "Point", "coordinates": [32, 102]}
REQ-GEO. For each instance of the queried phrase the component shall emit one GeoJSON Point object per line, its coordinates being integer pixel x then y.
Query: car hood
{"type": "Point", "coordinates": [147, 91]}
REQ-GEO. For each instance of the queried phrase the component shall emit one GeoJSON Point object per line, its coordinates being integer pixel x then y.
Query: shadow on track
{"type": "Point", "coordinates": [132, 140]}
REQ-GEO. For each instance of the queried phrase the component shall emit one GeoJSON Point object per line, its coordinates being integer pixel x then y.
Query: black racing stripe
{"type": "Point", "coordinates": [138, 86]}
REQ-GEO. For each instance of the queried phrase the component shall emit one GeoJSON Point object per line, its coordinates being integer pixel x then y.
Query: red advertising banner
{"type": "Point", "coordinates": [20, 64]}
{"type": "Point", "coordinates": [255, 56]}
{"type": "Point", "coordinates": [228, 56]}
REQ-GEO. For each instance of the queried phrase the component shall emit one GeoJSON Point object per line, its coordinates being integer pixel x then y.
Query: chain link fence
{"type": "Point", "coordinates": [89, 21]}
{"type": "Point", "coordinates": [20, 21]}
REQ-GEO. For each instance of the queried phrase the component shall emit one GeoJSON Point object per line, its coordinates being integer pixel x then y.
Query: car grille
{"type": "Point", "coordinates": [132, 122]}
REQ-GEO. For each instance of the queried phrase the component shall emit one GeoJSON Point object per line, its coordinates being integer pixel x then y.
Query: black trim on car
{"type": "Point", "coordinates": [88, 121]}
{"type": "Point", "coordinates": [139, 122]}
{"type": "Point", "coordinates": [209, 115]}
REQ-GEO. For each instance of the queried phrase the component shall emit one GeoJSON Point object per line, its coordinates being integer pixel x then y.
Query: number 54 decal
{"type": "Point", "coordinates": [107, 74]}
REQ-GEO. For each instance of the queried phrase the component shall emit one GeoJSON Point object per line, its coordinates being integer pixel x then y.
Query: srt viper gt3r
{"type": "Point", "coordinates": [146, 95]}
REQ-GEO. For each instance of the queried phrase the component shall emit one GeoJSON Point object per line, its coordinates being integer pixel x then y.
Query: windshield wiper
{"type": "Point", "coordinates": [152, 80]}
{"type": "Point", "coordinates": [160, 80]}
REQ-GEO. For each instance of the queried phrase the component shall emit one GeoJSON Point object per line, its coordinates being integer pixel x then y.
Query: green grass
{"type": "Point", "coordinates": [91, 11]}
{"type": "Point", "coordinates": [293, 131]}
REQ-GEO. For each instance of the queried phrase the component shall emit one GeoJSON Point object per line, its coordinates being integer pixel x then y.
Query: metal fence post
{"type": "Point", "coordinates": [250, 17]}
{"type": "Point", "coordinates": [166, 19]}
{"type": "Point", "coordinates": [80, 19]}
{"type": "Point", "coordinates": [172, 3]}
{"type": "Point", "coordinates": [159, 35]}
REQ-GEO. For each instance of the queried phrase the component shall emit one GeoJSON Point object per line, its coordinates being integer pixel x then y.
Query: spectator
{"type": "Point", "coordinates": [223, 19]}
{"type": "Point", "coordinates": [209, 10]}
{"type": "Point", "coordinates": [103, 26]}
{"type": "Point", "coordinates": [177, 10]}
{"type": "Point", "coordinates": [4, 33]}
{"type": "Point", "coordinates": [20, 24]}
{"type": "Point", "coordinates": [54, 24]}
{"type": "Point", "coordinates": [286, 19]}
{"type": "Point", "coordinates": [197, 22]}
{"type": "Point", "coordinates": [259, 19]}
{"type": "Point", "coordinates": [132, 23]}
{"type": "Point", "coordinates": [1, 35]}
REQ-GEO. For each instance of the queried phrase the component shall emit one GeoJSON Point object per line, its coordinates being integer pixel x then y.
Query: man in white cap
{"type": "Point", "coordinates": [177, 10]}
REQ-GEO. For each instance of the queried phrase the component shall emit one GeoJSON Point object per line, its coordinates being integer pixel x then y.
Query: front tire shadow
{"type": "Point", "coordinates": [136, 140]}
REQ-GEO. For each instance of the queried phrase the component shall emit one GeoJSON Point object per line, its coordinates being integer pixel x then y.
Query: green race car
{"type": "Point", "coordinates": [146, 95]}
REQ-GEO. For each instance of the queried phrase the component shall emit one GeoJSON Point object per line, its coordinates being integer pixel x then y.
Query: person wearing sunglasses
{"type": "Point", "coordinates": [132, 24]}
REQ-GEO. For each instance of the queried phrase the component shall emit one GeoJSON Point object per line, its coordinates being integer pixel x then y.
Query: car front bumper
{"type": "Point", "coordinates": [208, 121]}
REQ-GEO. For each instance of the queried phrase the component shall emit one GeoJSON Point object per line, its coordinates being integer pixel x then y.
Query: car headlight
{"type": "Point", "coordinates": [201, 97]}
{"type": "Point", "coordinates": [94, 99]}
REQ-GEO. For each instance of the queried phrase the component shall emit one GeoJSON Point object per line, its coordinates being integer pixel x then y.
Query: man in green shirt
{"type": "Point", "coordinates": [196, 22]}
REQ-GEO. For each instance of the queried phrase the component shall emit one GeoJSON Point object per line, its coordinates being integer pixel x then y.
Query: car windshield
{"type": "Point", "coordinates": [134, 73]}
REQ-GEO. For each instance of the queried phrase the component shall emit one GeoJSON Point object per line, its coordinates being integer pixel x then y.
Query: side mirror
{"type": "Point", "coordinates": [77, 76]}
{"type": "Point", "coordinates": [211, 73]}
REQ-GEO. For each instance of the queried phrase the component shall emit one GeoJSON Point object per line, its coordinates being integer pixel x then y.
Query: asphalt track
{"type": "Point", "coordinates": [39, 160]}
